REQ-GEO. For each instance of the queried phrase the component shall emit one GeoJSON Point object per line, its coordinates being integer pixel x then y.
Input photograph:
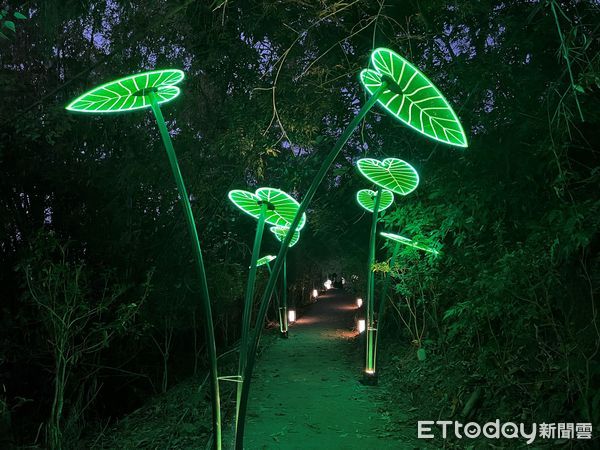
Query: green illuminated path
{"type": "Point", "coordinates": [305, 394]}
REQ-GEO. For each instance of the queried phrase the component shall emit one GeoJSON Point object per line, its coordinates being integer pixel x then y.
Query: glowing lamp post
{"type": "Point", "coordinates": [150, 90]}
{"type": "Point", "coordinates": [280, 233]}
{"type": "Point", "coordinates": [292, 315]}
{"type": "Point", "coordinates": [315, 293]}
{"type": "Point", "coordinates": [361, 326]}
{"type": "Point", "coordinates": [359, 302]}
{"type": "Point", "coordinates": [328, 284]}
{"type": "Point", "coordinates": [407, 95]}
{"type": "Point", "coordinates": [390, 175]}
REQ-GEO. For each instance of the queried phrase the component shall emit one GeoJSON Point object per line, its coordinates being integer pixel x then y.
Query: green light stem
{"type": "Point", "coordinates": [264, 302]}
{"type": "Point", "coordinates": [284, 297]}
{"type": "Point", "coordinates": [370, 325]}
{"type": "Point", "coordinates": [277, 302]}
{"type": "Point", "coordinates": [204, 295]}
{"type": "Point", "coordinates": [381, 304]}
{"type": "Point", "coordinates": [247, 314]}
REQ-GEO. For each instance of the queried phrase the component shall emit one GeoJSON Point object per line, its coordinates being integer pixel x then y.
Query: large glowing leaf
{"type": "Point", "coordinates": [281, 232]}
{"type": "Point", "coordinates": [392, 173]}
{"type": "Point", "coordinates": [129, 93]}
{"type": "Point", "coordinates": [281, 207]}
{"type": "Point", "coordinates": [265, 260]}
{"type": "Point", "coordinates": [366, 199]}
{"type": "Point", "coordinates": [409, 242]}
{"type": "Point", "coordinates": [412, 98]}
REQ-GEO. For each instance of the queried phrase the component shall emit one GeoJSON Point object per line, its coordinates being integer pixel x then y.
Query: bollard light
{"type": "Point", "coordinates": [291, 316]}
{"type": "Point", "coordinates": [361, 325]}
{"type": "Point", "coordinates": [315, 293]}
{"type": "Point", "coordinates": [328, 284]}
{"type": "Point", "coordinates": [358, 302]}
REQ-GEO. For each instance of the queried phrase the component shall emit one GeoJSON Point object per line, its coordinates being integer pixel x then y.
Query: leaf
{"type": "Point", "coordinates": [579, 88]}
{"type": "Point", "coordinates": [9, 24]}
{"type": "Point", "coordinates": [366, 199]}
{"type": "Point", "coordinates": [421, 354]}
{"type": "Point", "coordinates": [265, 260]}
{"type": "Point", "coordinates": [412, 98]}
{"type": "Point", "coordinates": [281, 232]}
{"type": "Point", "coordinates": [392, 173]}
{"type": "Point", "coordinates": [126, 94]}
{"type": "Point", "coordinates": [281, 209]}
{"type": "Point", "coordinates": [409, 242]}
{"type": "Point", "coordinates": [19, 16]}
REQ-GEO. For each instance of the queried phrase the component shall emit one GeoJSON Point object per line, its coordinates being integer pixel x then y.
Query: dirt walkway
{"type": "Point", "coordinates": [305, 394]}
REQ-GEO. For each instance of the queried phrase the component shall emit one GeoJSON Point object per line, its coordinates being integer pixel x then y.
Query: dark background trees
{"type": "Point", "coordinates": [269, 86]}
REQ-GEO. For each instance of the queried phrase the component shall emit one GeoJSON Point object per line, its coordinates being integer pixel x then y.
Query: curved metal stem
{"type": "Point", "coordinates": [264, 302]}
{"type": "Point", "coordinates": [205, 298]}
{"type": "Point", "coordinates": [370, 360]}
{"type": "Point", "coordinates": [284, 297]}
{"type": "Point", "coordinates": [247, 314]}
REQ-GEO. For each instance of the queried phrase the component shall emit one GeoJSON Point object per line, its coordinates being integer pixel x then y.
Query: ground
{"type": "Point", "coordinates": [306, 393]}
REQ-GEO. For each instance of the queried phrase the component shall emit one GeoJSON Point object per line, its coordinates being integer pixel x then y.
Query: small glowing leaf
{"type": "Point", "coordinates": [9, 24]}
{"type": "Point", "coordinates": [412, 98]}
{"type": "Point", "coordinates": [409, 242]}
{"type": "Point", "coordinates": [264, 260]}
{"type": "Point", "coordinates": [19, 16]}
{"type": "Point", "coordinates": [281, 232]}
{"type": "Point", "coordinates": [281, 207]}
{"type": "Point", "coordinates": [421, 354]}
{"type": "Point", "coordinates": [129, 93]}
{"type": "Point", "coordinates": [392, 173]}
{"type": "Point", "coordinates": [366, 199]}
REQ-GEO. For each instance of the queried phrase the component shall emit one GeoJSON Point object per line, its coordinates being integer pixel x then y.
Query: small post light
{"type": "Point", "coordinates": [359, 302]}
{"type": "Point", "coordinates": [291, 315]}
{"type": "Point", "coordinates": [327, 284]}
{"type": "Point", "coordinates": [361, 325]}
{"type": "Point", "coordinates": [315, 293]}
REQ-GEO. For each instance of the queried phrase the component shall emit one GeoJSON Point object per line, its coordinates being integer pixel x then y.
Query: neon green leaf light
{"type": "Point", "coordinates": [280, 233]}
{"type": "Point", "coordinates": [281, 207]}
{"type": "Point", "coordinates": [412, 98]}
{"type": "Point", "coordinates": [392, 173]}
{"type": "Point", "coordinates": [264, 260]}
{"type": "Point", "coordinates": [129, 93]}
{"type": "Point", "coordinates": [409, 242]}
{"type": "Point", "coordinates": [366, 199]}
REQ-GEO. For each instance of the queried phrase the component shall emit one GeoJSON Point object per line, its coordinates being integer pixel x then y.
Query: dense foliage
{"type": "Point", "coordinates": [91, 228]}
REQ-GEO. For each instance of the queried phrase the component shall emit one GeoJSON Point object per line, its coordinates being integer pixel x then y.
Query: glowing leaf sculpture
{"type": "Point", "coordinates": [392, 173]}
{"type": "Point", "coordinates": [149, 90]}
{"type": "Point", "coordinates": [129, 93]}
{"type": "Point", "coordinates": [366, 199]}
{"type": "Point", "coordinates": [264, 260]}
{"type": "Point", "coordinates": [281, 207]}
{"type": "Point", "coordinates": [280, 233]}
{"type": "Point", "coordinates": [409, 242]}
{"type": "Point", "coordinates": [412, 98]}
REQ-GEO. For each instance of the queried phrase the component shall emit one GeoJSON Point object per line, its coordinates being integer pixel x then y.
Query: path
{"type": "Point", "coordinates": [305, 394]}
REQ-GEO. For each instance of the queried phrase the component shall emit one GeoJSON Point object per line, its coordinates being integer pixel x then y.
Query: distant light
{"type": "Point", "coordinates": [359, 302]}
{"type": "Point", "coordinates": [343, 280]}
{"type": "Point", "coordinates": [291, 316]}
{"type": "Point", "coordinates": [361, 325]}
{"type": "Point", "coordinates": [315, 293]}
{"type": "Point", "coordinates": [328, 284]}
